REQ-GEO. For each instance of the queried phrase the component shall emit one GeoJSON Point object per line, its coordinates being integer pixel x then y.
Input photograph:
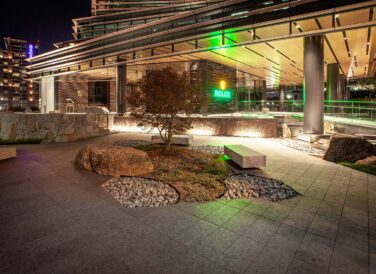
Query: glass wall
{"type": "Point", "coordinates": [363, 88]}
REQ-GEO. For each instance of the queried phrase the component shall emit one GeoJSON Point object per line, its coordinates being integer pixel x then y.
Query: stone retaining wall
{"type": "Point", "coordinates": [53, 127]}
{"type": "Point", "coordinates": [226, 126]}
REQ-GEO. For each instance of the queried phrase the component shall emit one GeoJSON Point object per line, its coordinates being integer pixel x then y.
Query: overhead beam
{"type": "Point", "coordinates": [192, 51]}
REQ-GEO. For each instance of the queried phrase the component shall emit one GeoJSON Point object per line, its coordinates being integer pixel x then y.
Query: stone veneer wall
{"type": "Point", "coordinates": [53, 127]}
{"type": "Point", "coordinates": [226, 126]}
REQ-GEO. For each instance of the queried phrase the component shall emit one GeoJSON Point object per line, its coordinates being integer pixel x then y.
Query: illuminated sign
{"type": "Point", "coordinates": [30, 51]}
{"type": "Point", "coordinates": [222, 94]}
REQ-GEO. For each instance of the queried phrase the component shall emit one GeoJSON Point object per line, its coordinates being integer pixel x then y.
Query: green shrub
{"type": "Point", "coordinates": [218, 166]}
{"type": "Point", "coordinates": [364, 168]}
{"type": "Point", "coordinates": [146, 147]}
{"type": "Point", "coordinates": [21, 141]}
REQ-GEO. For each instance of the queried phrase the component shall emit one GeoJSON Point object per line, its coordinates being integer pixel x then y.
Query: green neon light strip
{"type": "Point", "coordinates": [258, 101]}
{"type": "Point", "coordinates": [325, 101]}
{"type": "Point", "coordinates": [349, 101]}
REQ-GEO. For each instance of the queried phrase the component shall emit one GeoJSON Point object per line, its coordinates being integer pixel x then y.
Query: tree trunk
{"type": "Point", "coordinates": [169, 135]}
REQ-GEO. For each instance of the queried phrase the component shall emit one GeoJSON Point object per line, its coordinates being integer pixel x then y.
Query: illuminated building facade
{"type": "Point", "coordinates": [259, 48]}
{"type": "Point", "coordinates": [16, 92]}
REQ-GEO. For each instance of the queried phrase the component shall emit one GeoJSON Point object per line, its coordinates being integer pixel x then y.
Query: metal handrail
{"type": "Point", "coordinates": [361, 110]}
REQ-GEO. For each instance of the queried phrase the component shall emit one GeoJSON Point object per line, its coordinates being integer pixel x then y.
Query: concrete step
{"type": "Point", "coordinates": [311, 138]}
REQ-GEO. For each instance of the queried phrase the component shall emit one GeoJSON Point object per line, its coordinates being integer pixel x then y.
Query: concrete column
{"type": "Point", "coordinates": [121, 88]}
{"type": "Point", "coordinates": [47, 94]}
{"type": "Point", "coordinates": [264, 95]}
{"type": "Point", "coordinates": [282, 97]}
{"type": "Point", "coordinates": [342, 88]}
{"type": "Point", "coordinates": [204, 91]}
{"type": "Point", "coordinates": [254, 90]}
{"type": "Point", "coordinates": [314, 84]}
{"type": "Point", "coordinates": [332, 88]}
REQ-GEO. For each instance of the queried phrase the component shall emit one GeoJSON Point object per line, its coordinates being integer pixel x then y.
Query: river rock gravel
{"type": "Point", "coordinates": [141, 192]}
{"type": "Point", "coordinates": [214, 150]}
{"type": "Point", "coordinates": [302, 146]}
{"type": "Point", "coordinates": [243, 186]}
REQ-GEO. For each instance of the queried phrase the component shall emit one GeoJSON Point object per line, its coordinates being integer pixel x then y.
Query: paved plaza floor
{"type": "Point", "coordinates": [56, 219]}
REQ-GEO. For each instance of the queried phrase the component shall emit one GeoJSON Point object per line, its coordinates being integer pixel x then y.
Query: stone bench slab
{"type": "Point", "coordinates": [184, 140]}
{"type": "Point", "coordinates": [245, 157]}
{"type": "Point", "coordinates": [7, 153]}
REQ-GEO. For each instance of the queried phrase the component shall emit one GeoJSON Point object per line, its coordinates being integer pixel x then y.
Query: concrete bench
{"type": "Point", "coordinates": [7, 153]}
{"type": "Point", "coordinates": [245, 157]}
{"type": "Point", "coordinates": [184, 140]}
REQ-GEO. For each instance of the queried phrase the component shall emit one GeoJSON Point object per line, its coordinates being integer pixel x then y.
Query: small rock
{"type": "Point", "coordinates": [209, 149]}
{"type": "Point", "coordinates": [246, 186]}
{"type": "Point", "coordinates": [141, 192]}
{"type": "Point", "coordinates": [369, 161]}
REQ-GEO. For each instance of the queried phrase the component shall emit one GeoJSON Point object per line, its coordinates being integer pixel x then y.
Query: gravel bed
{"type": "Point", "coordinates": [301, 146]}
{"type": "Point", "coordinates": [141, 192]}
{"type": "Point", "coordinates": [131, 143]}
{"type": "Point", "coordinates": [245, 186]}
{"type": "Point", "coordinates": [214, 150]}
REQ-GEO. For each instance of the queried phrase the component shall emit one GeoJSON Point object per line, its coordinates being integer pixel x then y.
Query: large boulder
{"type": "Point", "coordinates": [114, 160]}
{"type": "Point", "coordinates": [369, 161]}
{"type": "Point", "coordinates": [349, 149]}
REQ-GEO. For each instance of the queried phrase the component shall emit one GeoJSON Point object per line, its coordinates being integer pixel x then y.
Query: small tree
{"type": "Point", "coordinates": [162, 96]}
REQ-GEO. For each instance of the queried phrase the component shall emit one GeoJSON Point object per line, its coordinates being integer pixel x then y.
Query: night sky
{"type": "Point", "coordinates": [49, 21]}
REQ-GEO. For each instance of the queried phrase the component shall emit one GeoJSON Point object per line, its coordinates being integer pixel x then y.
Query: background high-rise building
{"type": "Point", "coordinates": [16, 92]}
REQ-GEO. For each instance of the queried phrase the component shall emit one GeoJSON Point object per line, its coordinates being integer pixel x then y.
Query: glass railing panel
{"type": "Point", "coordinates": [97, 63]}
{"type": "Point", "coordinates": [273, 30]}
{"type": "Point", "coordinates": [240, 36]}
{"type": "Point", "coordinates": [352, 17]}
{"type": "Point", "coordinates": [143, 54]}
{"type": "Point", "coordinates": [213, 41]}
{"type": "Point", "coordinates": [85, 66]}
{"type": "Point", "coordinates": [162, 50]}
{"type": "Point", "coordinates": [189, 45]}
{"type": "Point", "coordinates": [126, 57]}
{"type": "Point", "coordinates": [304, 25]}
{"type": "Point", "coordinates": [345, 111]}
